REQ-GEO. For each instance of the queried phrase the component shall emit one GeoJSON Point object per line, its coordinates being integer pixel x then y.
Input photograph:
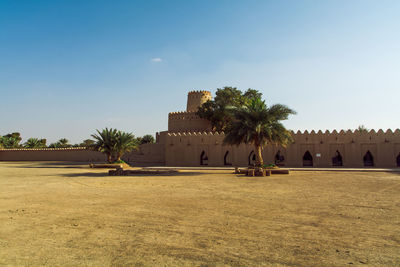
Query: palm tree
{"type": "Point", "coordinates": [255, 123]}
{"type": "Point", "coordinates": [146, 139]}
{"type": "Point", "coordinates": [35, 143]}
{"type": "Point", "coordinates": [64, 142]}
{"type": "Point", "coordinates": [114, 143]}
{"type": "Point", "coordinates": [11, 140]}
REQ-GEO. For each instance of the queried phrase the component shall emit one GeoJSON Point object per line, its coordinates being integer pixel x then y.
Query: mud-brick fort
{"type": "Point", "coordinates": [189, 141]}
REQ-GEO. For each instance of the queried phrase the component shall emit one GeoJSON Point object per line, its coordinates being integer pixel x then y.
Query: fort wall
{"type": "Point", "coordinates": [147, 155]}
{"type": "Point", "coordinates": [187, 121]}
{"type": "Point", "coordinates": [52, 154]}
{"type": "Point", "coordinates": [189, 142]}
{"type": "Point", "coordinates": [329, 149]}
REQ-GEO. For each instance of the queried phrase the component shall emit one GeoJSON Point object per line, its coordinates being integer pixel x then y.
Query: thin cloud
{"type": "Point", "coordinates": [156, 59]}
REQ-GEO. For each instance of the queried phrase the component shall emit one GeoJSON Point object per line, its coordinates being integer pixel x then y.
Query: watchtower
{"type": "Point", "coordinates": [196, 99]}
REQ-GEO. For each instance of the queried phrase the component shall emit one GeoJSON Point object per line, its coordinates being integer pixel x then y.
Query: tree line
{"type": "Point", "coordinates": [14, 140]}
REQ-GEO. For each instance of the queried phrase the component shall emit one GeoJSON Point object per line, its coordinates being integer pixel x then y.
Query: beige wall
{"type": "Point", "coordinates": [189, 136]}
{"type": "Point", "coordinates": [147, 155]}
{"type": "Point", "coordinates": [52, 154]}
{"type": "Point", "coordinates": [187, 121]}
{"type": "Point", "coordinates": [184, 149]}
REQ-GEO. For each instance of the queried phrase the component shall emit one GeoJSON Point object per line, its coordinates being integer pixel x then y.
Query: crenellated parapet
{"type": "Point", "coordinates": [306, 136]}
{"type": "Point", "coordinates": [348, 136]}
{"type": "Point", "coordinates": [45, 149]}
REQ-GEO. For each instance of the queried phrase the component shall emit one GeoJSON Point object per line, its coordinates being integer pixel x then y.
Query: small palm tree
{"type": "Point", "coordinates": [146, 139]}
{"type": "Point", "coordinates": [114, 143]}
{"type": "Point", "coordinates": [255, 123]}
{"type": "Point", "coordinates": [64, 142]}
{"type": "Point", "coordinates": [35, 143]}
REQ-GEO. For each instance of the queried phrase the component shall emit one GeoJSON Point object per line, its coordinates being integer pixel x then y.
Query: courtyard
{"type": "Point", "coordinates": [56, 214]}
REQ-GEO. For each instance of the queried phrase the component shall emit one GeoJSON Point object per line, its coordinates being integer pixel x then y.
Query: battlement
{"type": "Point", "coordinates": [44, 149]}
{"type": "Point", "coordinates": [334, 137]}
{"type": "Point", "coordinates": [343, 132]}
{"type": "Point", "coordinates": [195, 133]}
{"type": "Point", "coordinates": [380, 132]}
{"type": "Point", "coordinates": [199, 92]}
{"type": "Point", "coordinates": [181, 113]}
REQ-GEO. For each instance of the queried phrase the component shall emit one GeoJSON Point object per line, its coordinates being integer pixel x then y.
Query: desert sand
{"type": "Point", "coordinates": [58, 214]}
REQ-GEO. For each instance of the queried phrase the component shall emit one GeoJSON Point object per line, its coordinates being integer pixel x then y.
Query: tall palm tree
{"type": "Point", "coordinates": [255, 123]}
{"type": "Point", "coordinates": [114, 143]}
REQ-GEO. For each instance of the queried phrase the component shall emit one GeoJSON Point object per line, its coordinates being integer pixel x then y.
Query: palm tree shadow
{"type": "Point", "coordinates": [85, 174]}
{"type": "Point", "coordinates": [105, 174]}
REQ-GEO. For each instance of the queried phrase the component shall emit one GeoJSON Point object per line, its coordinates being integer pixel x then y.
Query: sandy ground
{"type": "Point", "coordinates": [67, 215]}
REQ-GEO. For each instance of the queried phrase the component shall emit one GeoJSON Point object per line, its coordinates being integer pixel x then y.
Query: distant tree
{"type": "Point", "coordinates": [54, 145]}
{"type": "Point", "coordinates": [11, 140]}
{"type": "Point", "coordinates": [362, 129]}
{"type": "Point", "coordinates": [114, 143]}
{"type": "Point", "coordinates": [146, 139]}
{"type": "Point", "coordinates": [218, 110]}
{"type": "Point", "coordinates": [139, 140]}
{"type": "Point", "coordinates": [255, 123]}
{"type": "Point", "coordinates": [63, 142]}
{"type": "Point", "coordinates": [35, 143]}
{"type": "Point", "coordinates": [87, 143]}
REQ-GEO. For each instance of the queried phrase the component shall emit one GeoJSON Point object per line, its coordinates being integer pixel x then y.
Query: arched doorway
{"type": "Point", "coordinates": [227, 159]}
{"type": "Point", "coordinates": [279, 159]}
{"type": "Point", "coordinates": [398, 160]}
{"type": "Point", "coordinates": [337, 160]}
{"type": "Point", "coordinates": [203, 158]}
{"type": "Point", "coordinates": [252, 158]}
{"type": "Point", "coordinates": [368, 159]}
{"type": "Point", "coordinates": [307, 159]}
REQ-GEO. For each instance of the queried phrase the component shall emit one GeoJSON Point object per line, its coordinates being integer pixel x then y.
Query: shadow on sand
{"type": "Point", "coordinates": [52, 165]}
{"type": "Point", "coordinates": [85, 174]}
{"type": "Point", "coordinates": [105, 174]}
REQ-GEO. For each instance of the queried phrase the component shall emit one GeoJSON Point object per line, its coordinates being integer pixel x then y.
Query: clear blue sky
{"type": "Point", "coordinates": [70, 67]}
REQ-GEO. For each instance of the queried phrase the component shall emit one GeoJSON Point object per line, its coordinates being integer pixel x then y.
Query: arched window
{"type": "Point", "coordinates": [252, 158]}
{"type": "Point", "coordinates": [227, 158]}
{"type": "Point", "coordinates": [279, 159]}
{"type": "Point", "coordinates": [203, 158]}
{"type": "Point", "coordinates": [337, 159]}
{"type": "Point", "coordinates": [398, 160]}
{"type": "Point", "coordinates": [307, 159]}
{"type": "Point", "coordinates": [368, 159]}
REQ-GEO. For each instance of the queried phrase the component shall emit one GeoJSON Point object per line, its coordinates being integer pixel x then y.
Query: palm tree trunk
{"type": "Point", "coordinates": [259, 159]}
{"type": "Point", "coordinates": [109, 158]}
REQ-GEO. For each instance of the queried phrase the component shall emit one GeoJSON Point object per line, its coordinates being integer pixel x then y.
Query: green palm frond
{"type": "Point", "coordinates": [114, 143]}
{"type": "Point", "coordinates": [255, 123]}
